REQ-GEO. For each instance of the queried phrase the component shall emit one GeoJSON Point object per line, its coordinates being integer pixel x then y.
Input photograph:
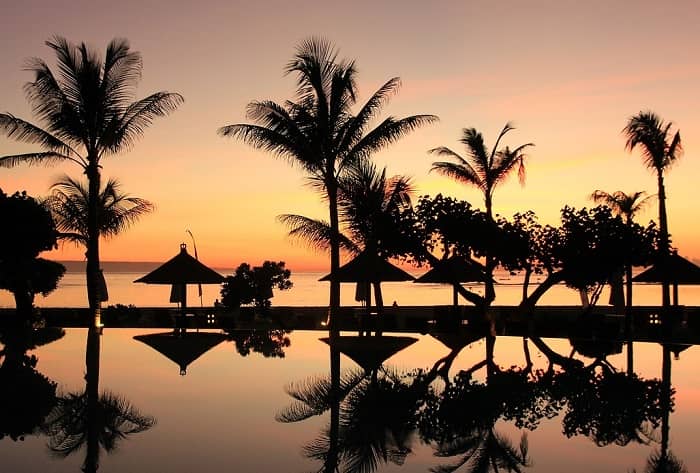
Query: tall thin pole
{"type": "Point", "coordinates": [199, 286]}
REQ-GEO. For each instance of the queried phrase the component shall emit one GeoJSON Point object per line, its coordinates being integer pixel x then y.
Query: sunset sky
{"type": "Point", "coordinates": [568, 74]}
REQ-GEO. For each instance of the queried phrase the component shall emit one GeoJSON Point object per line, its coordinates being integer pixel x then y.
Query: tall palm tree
{"type": "Point", "coordinates": [660, 148]}
{"type": "Point", "coordinates": [367, 198]}
{"type": "Point", "coordinates": [485, 170]}
{"type": "Point", "coordinates": [87, 112]}
{"type": "Point", "coordinates": [319, 131]}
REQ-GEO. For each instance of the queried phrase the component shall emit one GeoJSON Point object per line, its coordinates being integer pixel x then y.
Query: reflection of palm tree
{"type": "Point", "coordinates": [377, 420]}
{"type": "Point", "coordinates": [660, 149]}
{"type": "Point", "coordinates": [92, 420]}
{"type": "Point", "coordinates": [88, 115]}
{"type": "Point", "coordinates": [69, 424]}
{"type": "Point", "coordinates": [367, 200]}
{"type": "Point", "coordinates": [484, 170]}
{"type": "Point", "coordinates": [484, 451]}
{"type": "Point", "coordinates": [320, 132]}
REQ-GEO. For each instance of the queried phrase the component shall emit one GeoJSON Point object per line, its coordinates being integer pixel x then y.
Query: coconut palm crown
{"type": "Point", "coordinates": [318, 130]}
{"type": "Point", "coordinates": [482, 168]}
{"type": "Point", "coordinates": [117, 211]}
{"type": "Point", "coordinates": [87, 112]}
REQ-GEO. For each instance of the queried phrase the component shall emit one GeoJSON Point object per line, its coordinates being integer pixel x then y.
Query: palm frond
{"type": "Point", "coordinates": [124, 129]}
{"type": "Point", "coordinates": [389, 131]}
{"type": "Point", "coordinates": [23, 131]}
{"type": "Point", "coordinates": [315, 233]}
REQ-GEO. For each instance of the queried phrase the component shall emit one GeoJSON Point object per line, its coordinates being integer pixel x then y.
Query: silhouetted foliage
{"type": "Point", "coordinates": [87, 113]}
{"type": "Point", "coordinates": [116, 211]}
{"type": "Point", "coordinates": [269, 343]}
{"type": "Point", "coordinates": [29, 230]}
{"type": "Point", "coordinates": [254, 285]}
{"type": "Point", "coordinates": [610, 407]}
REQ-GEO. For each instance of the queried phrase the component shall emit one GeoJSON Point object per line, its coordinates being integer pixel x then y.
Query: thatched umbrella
{"type": "Point", "coordinates": [182, 347]}
{"type": "Point", "coordinates": [673, 268]}
{"type": "Point", "coordinates": [179, 271]}
{"type": "Point", "coordinates": [368, 268]}
{"type": "Point", "coordinates": [455, 269]}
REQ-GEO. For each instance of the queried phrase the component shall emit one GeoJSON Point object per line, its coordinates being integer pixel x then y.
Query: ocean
{"type": "Point", "coordinates": [308, 291]}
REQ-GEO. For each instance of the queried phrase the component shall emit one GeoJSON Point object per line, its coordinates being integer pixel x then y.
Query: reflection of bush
{"type": "Point", "coordinates": [611, 407]}
{"type": "Point", "coordinates": [269, 343]}
{"type": "Point", "coordinates": [26, 398]}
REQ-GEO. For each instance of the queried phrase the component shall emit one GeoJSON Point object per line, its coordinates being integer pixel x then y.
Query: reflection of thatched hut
{"type": "Point", "coordinates": [182, 347]}
{"type": "Point", "coordinates": [370, 352]}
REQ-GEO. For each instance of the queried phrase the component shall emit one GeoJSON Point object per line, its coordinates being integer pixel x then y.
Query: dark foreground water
{"type": "Point", "coordinates": [129, 401]}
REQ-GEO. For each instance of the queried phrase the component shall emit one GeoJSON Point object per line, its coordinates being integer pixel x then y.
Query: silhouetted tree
{"type": "Point", "coordinates": [87, 114]}
{"type": "Point", "coordinates": [28, 231]}
{"type": "Point", "coordinates": [660, 149]}
{"type": "Point", "coordinates": [318, 130]}
{"type": "Point", "coordinates": [254, 285]}
{"type": "Point", "coordinates": [484, 170]}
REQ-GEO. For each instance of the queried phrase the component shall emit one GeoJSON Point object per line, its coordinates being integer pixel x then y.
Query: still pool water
{"type": "Point", "coordinates": [215, 401]}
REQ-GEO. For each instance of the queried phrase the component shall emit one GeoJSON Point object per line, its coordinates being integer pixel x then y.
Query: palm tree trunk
{"type": "Point", "coordinates": [490, 292]}
{"type": "Point", "coordinates": [331, 463]}
{"type": "Point", "coordinates": [93, 241]}
{"type": "Point", "coordinates": [663, 239]}
{"type": "Point", "coordinates": [334, 303]}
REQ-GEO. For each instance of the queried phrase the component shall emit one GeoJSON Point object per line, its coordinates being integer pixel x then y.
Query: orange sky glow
{"type": "Point", "coordinates": [567, 73]}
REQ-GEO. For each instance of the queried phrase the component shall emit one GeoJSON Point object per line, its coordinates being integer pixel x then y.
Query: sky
{"type": "Point", "coordinates": [568, 74]}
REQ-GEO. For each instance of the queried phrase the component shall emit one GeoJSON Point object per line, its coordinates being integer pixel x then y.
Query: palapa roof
{"type": "Point", "coordinates": [454, 269]}
{"type": "Point", "coordinates": [368, 267]}
{"type": "Point", "coordinates": [675, 269]}
{"type": "Point", "coordinates": [370, 351]}
{"type": "Point", "coordinates": [182, 269]}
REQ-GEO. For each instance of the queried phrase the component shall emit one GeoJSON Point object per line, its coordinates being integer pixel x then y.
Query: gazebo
{"type": "Point", "coordinates": [673, 269]}
{"type": "Point", "coordinates": [179, 271]}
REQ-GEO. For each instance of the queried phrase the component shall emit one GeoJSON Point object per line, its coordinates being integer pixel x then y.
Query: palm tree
{"type": "Point", "coordinates": [87, 114]}
{"type": "Point", "coordinates": [367, 199]}
{"type": "Point", "coordinates": [485, 170]}
{"type": "Point", "coordinates": [481, 168]}
{"type": "Point", "coordinates": [116, 211]}
{"type": "Point", "coordinates": [318, 130]}
{"type": "Point", "coordinates": [627, 206]}
{"type": "Point", "coordinates": [660, 149]}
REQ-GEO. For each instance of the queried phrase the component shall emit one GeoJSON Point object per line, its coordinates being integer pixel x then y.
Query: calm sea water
{"type": "Point", "coordinates": [308, 291]}
{"type": "Point", "coordinates": [221, 415]}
